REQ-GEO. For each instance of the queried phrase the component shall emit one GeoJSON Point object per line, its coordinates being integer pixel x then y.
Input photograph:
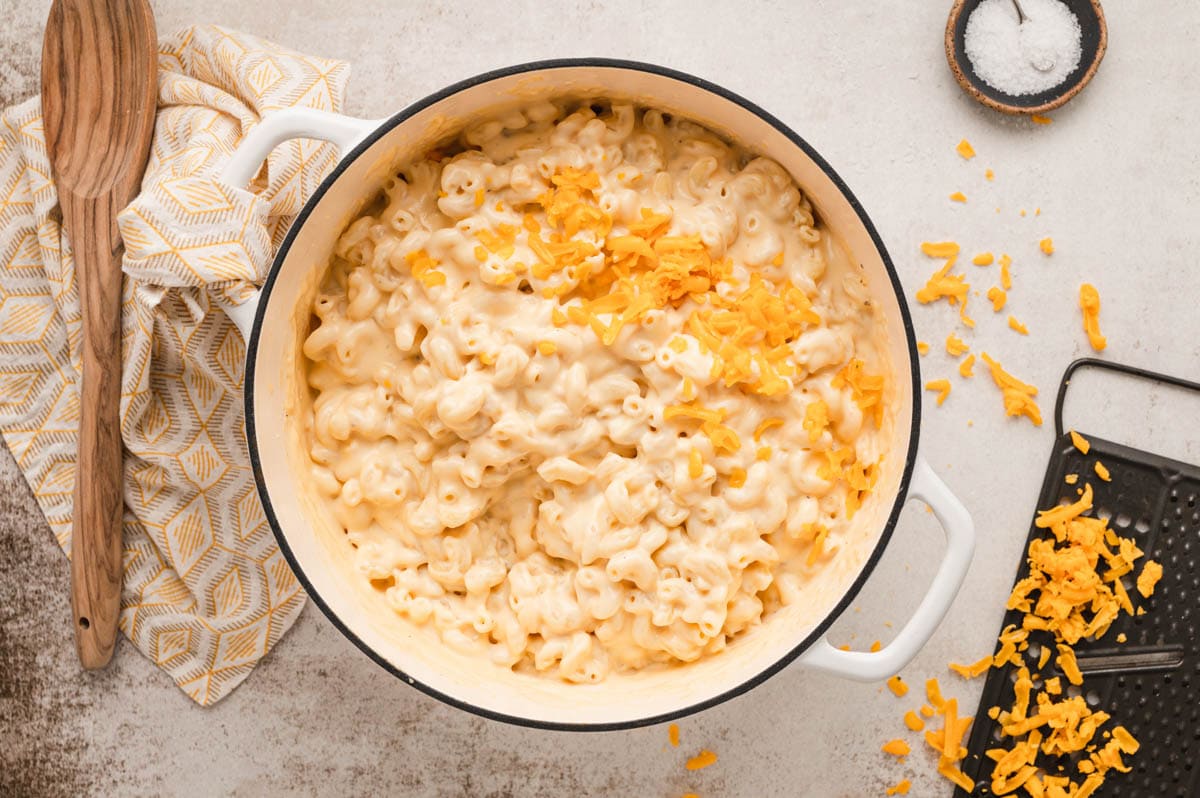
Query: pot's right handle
{"type": "Point", "coordinates": [960, 546]}
{"type": "Point", "coordinates": [275, 128]}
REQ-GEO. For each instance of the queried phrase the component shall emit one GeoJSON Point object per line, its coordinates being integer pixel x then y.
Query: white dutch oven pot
{"type": "Point", "coordinates": [275, 322]}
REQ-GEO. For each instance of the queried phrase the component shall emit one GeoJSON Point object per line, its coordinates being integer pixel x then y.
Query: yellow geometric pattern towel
{"type": "Point", "coordinates": [207, 592]}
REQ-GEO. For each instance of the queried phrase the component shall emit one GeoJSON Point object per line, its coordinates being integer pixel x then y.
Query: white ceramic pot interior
{"type": "Point", "coordinates": [318, 546]}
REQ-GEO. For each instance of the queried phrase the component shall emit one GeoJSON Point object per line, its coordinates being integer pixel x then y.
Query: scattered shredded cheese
{"type": "Point", "coordinates": [989, 174]}
{"type": "Point", "coordinates": [965, 149]}
{"type": "Point", "coordinates": [1102, 472]}
{"type": "Point", "coordinates": [701, 760]}
{"type": "Point", "coordinates": [1071, 479]}
{"type": "Point", "coordinates": [971, 671]}
{"type": "Point", "coordinates": [896, 748]}
{"type": "Point", "coordinates": [1148, 578]}
{"type": "Point", "coordinates": [967, 367]}
{"type": "Point", "coordinates": [1013, 324]}
{"type": "Point", "coordinates": [673, 735]}
{"type": "Point", "coordinates": [1047, 245]}
{"type": "Point", "coordinates": [997, 297]}
{"type": "Point", "coordinates": [897, 686]}
{"type": "Point", "coordinates": [1038, 119]}
{"type": "Point", "coordinates": [922, 348]}
{"type": "Point", "coordinates": [943, 285]}
{"type": "Point", "coordinates": [1081, 443]}
{"type": "Point", "coordinates": [1089, 303]}
{"type": "Point", "coordinates": [942, 387]}
{"type": "Point", "coordinates": [955, 345]}
{"type": "Point", "coordinates": [1018, 396]}
{"type": "Point", "coordinates": [900, 788]}
{"type": "Point", "coordinates": [913, 721]}
{"type": "Point", "coordinates": [876, 646]}
{"type": "Point", "coordinates": [958, 196]}
{"type": "Point", "coordinates": [983, 259]}
{"type": "Point", "coordinates": [1005, 274]}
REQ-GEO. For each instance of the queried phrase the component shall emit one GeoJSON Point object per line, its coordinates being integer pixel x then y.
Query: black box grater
{"type": "Point", "coordinates": [1151, 683]}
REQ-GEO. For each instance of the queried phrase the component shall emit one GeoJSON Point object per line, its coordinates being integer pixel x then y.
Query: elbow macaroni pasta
{"type": "Point", "coordinates": [593, 390]}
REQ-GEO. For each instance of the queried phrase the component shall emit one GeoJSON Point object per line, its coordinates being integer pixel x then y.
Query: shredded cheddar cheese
{"type": "Point", "coordinates": [926, 710]}
{"type": "Point", "coordinates": [1038, 119]}
{"type": "Point", "coordinates": [1081, 443]}
{"type": "Point", "coordinates": [737, 477]}
{"type": "Point", "coordinates": [955, 345]}
{"type": "Point", "coordinates": [695, 464]}
{"type": "Point", "coordinates": [947, 741]}
{"type": "Point", "coordinates": [1089, 303]}
{"type": "Point", "coordinates": [971, 671]}
{"type": "Point", "coordinates": [942, 387]}
{"type": "Point", "coordinates": [702, 760]}
{"type": "Point", "coordinates": [913, 721]}
{"type": "Point", "coordinates": [1071, 479]}
{"type": "Point", "coordinates": [673, 735]}
{"type": "Point", "coordinates": [1151, 573]}
{"type": "Point", "coordinates": [1005, 273]}
{"type": "Point", "coordinates": [965, 149]}
{"type": "Point", "coordinates": [944, 285]}
{"type": "Point", "coordinates": [983, 259]}
{"type": "Point", "coordinates": [967, 367]}
{"type": "Point", "coordinates": [896, 748]}
{"type": "Point", "coordinates": [816, 419]}
{"type": "Point", "coordinates": [766, 424]}
{"type": "Point", "coordinates": [1018, 396]}
{"type": "Point", "coordinates": [1013, 324]}
{"type": "Point", "coordinates": [900, 788]}
{"type": "Point", "coordinates": [1102, 472]}
{"type": "Point", "coordinates": [922, 347]}
{"type": "Point", "coordinates": [1046, 245]}
{"type": "Point", "coordinates": [989, 174]}
{"type": "Point", "coordinates": [958, 196]}
{"type": "Point", "coordinates": [866, 390]}
{"type": "Point", "coordinates": [876, 646]}
{"type": "Point", "coordinates": [997, 297]}
{"type": "Point", "coordinates": [897, 686]}
{"type": "Point", "coordinates": [424, 268]}
{"type": "Point", "coordinates": [547, 348]}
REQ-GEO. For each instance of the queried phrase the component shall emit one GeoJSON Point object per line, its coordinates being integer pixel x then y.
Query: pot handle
{"type": "Point", "coordinates": [960, 545]}
{"type": "Point", "coordinates": [344, 132]}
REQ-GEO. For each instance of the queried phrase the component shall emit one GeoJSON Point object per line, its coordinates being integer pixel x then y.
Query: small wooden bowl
{"type": "Point", "coordinates": [1094, 42]}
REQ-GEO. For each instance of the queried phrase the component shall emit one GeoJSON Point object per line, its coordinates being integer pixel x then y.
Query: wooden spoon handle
{"type": "Point", "coordinates": [96, 545]}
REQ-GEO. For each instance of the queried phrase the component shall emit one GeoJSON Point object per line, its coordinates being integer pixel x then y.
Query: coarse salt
{"type": "Point", "coordinates": [1023, 58]}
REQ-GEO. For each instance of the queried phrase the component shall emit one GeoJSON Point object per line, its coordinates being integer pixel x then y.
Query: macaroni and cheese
{"type": "Point", "coordinates": [592, 390]}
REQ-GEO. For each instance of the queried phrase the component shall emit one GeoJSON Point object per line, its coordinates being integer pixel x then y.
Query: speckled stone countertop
{"type": "Point", "coordinates": [1117, 179]}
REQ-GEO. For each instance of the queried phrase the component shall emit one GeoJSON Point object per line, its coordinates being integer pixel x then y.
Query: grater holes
{"type": "Point", "coordinates": [1122, 521]}
{"type": "Point", "coordinates": [1104, 514]}
{"type": "Point", "coordinates": [1142, 526]}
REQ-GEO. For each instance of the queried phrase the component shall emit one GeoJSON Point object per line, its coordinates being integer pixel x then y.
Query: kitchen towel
{"type": "Point", "coordinates": [207, 592]}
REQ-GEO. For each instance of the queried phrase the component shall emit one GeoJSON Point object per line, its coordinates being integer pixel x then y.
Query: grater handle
{"type": "Point", "coordinates": [1119, 368]}
{"type": "Point", "coordinates": [960, 546]}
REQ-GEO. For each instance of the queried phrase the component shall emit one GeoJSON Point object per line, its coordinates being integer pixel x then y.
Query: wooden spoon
{"type": "Point", "coordinates": [99, 85]}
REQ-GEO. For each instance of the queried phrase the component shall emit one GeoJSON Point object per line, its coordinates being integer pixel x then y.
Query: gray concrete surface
{"type": "Point", "coordinates": [1117, 177]}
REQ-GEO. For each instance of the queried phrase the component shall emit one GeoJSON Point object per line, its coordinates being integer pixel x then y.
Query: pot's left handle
{"type": "Point", "coordinates": [344, 132]}
{"type": "Point", "coordinates": [960, 546]}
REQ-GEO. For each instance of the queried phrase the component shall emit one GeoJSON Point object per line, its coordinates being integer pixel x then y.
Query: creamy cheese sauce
{"type": "Point", "coordinates": [593, 390]}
